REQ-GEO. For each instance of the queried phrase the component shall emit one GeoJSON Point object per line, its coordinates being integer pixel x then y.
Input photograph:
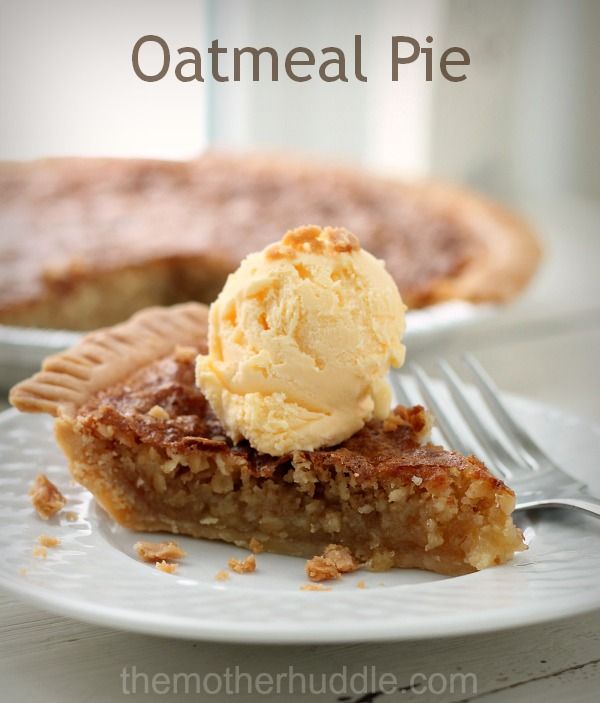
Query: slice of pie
{"type": "Point", "coordinates": [87, 242]}
{"type": "Point", "coordinates": [141, 437]}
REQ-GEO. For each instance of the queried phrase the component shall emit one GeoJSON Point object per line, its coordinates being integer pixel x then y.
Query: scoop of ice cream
{"type": "Point", "coordinates": [300, 342]}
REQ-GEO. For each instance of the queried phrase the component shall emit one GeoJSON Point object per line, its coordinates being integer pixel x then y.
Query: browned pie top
{"type": "Point", "coordinates": [62, 218]}
{"type": "Point", "coordinates": [390, 448]}
{"type": "Point", "coordinates": [134, 383]}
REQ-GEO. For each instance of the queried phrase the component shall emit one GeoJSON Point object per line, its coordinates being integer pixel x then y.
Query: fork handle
{"type": "Point", "coordinates": [589, 505]}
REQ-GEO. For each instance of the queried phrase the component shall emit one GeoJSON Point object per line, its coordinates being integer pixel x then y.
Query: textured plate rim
{"type": "Point", "coordinates": [120, 619]}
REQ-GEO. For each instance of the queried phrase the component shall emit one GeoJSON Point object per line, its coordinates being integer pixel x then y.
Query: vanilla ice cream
{"type": "Point", "coordinates": [300, 342]}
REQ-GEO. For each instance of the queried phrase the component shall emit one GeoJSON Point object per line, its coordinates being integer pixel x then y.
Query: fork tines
{"type": "Point", "coordinates": [469, 421]}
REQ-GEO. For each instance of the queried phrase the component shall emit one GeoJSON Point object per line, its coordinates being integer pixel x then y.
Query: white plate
{"type": "Point", "coordinates": [94, 575]}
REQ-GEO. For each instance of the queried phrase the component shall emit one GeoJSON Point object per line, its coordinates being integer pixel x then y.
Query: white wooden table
{"type": "Point", "coordinates": [546, 347]}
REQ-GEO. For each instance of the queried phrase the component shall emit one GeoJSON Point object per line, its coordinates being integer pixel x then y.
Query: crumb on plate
{"type": "Point", "coordinates": [222, 575]}
{"type": "Point", "coordinates": [166, 567]}
{"type": "Point", "coordinates": [71, 516]}
{"type": "Point", "coordinates": [361, 584]}
{"type": "Point", "coordinates": [45, 497]}
{"type": "Point", "coordinates": [334, 561]}
{"type": "Point", "coordinates": [48, 541]}
{"type": "Point", "coordinates": [315, 587]}
{"type": "Point", "coordinates": [40, 552]}
{"type": "Point", "coordinates": [158, 551]}
{"type": "Point", "coordinates": [321, 569]}
{"type": "Point", "coordinates": [341, 557]}
{"type": "Point", "coordinates": [243, 566]}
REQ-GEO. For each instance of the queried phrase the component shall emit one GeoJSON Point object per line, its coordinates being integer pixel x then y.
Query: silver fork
{"type": "Point", "coordinates": [513, 456]}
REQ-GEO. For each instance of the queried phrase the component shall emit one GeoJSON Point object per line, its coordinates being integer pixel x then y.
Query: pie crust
{"type": "Point", "coordinates": [384, 494]}
{"type": "Point", "coordinates": [90, 241]}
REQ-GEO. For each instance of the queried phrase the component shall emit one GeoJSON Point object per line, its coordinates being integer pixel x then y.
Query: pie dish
{"type": "Point", "coordinates": [141, 437]}
{"type": "Point", "coordinates": [87, 242]}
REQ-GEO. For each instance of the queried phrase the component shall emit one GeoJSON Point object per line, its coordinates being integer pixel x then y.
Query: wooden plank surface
{"type": "Point", "coordinates": [44, 657]}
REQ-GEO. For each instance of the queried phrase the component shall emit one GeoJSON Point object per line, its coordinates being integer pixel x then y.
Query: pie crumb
{"type": "Point", "coordinates": [256, 545]}
{"type": "Point", "coordinates": [243, 566]}
{"type": "Point", "coordinates": [45, 497]}
{"type": "Point", "coordinates": [361, 584]}
{"type": "Point", "coordinates": [341, 557]}
{"type": "Point", "coordinates": [315, 587]}
{"type": "Point", "coordinates": [222, 575]}
{"type": "Point", "coordinates": [321, 569]}
{"type": "Point", "coordinates": [71, 516]}
{"type": "Point", "coordinates": [158, 551]}
{"type": "Point", "coordinates": [158, 413]}
{"type": "Point", "coordinates": [22, 571]}
{"type": "Point", "coordinates": [40, 552]}
{"type": "Point", "coordinates": [166, 567]}
{"type": "Point", "coordinates": [48, 541]}
{"type": "Point", "coordinates": [334, 561]}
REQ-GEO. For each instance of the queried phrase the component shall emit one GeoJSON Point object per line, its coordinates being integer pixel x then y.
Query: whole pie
{"type": "Point", "coordinates": [140, 435]}
{"type": "Point", "coordinates": [87, 242]}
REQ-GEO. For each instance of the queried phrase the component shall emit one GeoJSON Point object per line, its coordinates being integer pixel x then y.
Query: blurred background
{"type": "Point", "coordinates": [524, 121]}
